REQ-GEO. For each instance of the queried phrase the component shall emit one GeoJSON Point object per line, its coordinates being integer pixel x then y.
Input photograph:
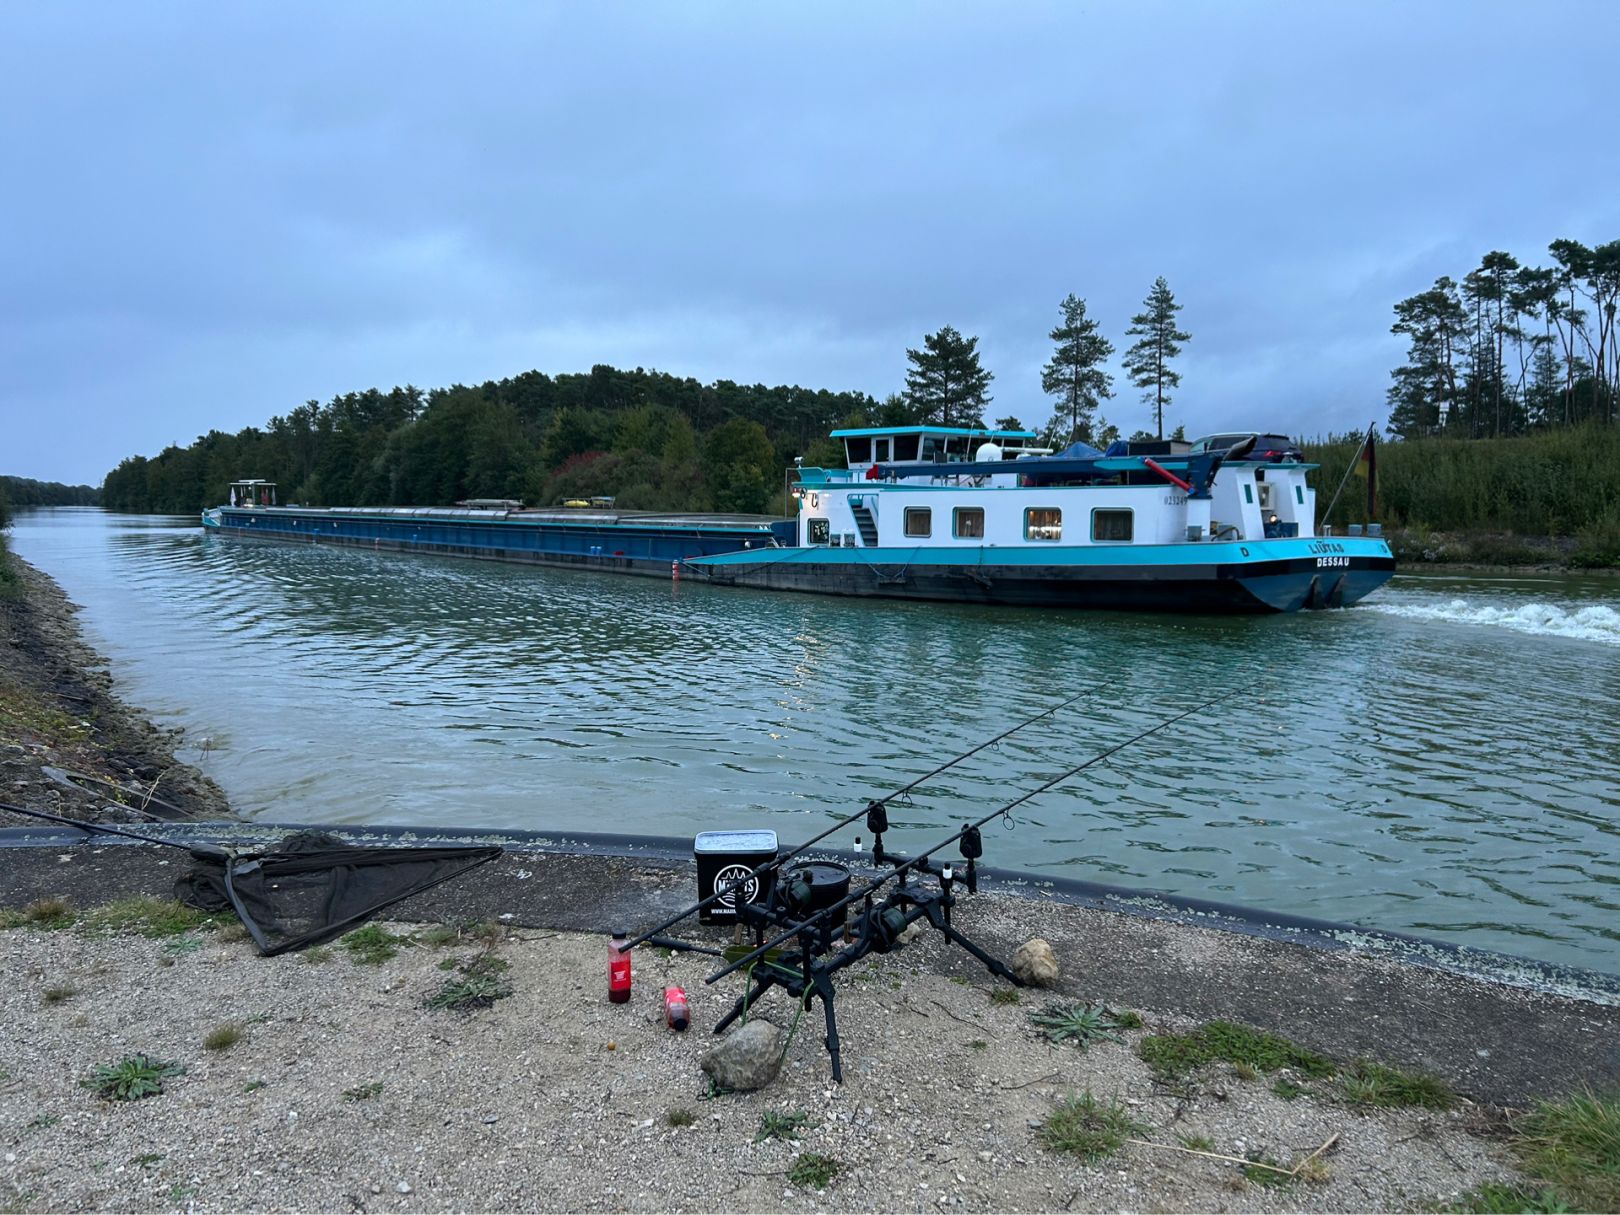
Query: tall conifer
{"type": "Point", "coordinates": [1158, 341]}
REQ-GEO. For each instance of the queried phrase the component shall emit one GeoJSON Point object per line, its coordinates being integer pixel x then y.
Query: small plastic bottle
{"type": "Point", "coordinates": [676, 1015]}
{"type": "Point", "coordinates": [618, 970]}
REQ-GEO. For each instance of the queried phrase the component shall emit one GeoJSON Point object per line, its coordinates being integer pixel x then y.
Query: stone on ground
{"type": "Point", "coordinates": [1035, 963]}
{"type": "Point", "coordinates": [747, 1058]}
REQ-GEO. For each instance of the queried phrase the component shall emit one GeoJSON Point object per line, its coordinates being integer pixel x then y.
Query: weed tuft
{"type": "Point", "coordinates": [131, 1078]}
{"type": "Point", "coordinates": [1371, 1084]}
{"type": "Point", "coordinates": [373, 945]}
{"type": "Point", "coordinates": [478, 985]}
{"type": "Point", "coordinates": [317, 955]}
{"type": "Point", "coordinates": [1268, 1177]}
{"type": "Point", "coordinates": [1493, 1198]}
{"type": "Point", "coordinates": [47, 914]}
{"type": "Point", "coordinates": [781, 1126]}
{"type": "Point", "coordinates": [811, 1171]}
{"type": "Point", "coordinates": [1174, 1056]}
{"type": "Point", "coordinates": [363, 1092]}
{"type": "Point", "coordinates": [223, 1037]}
{"type": "Point", "coordinates": [1575, 1145]}
{"type": "Point", "coordinates": [1196, 1143]}
{"type": "Point", "coordinates": [149, 917]}
{"type": "Point", "coordinates": [1288, 1090]}
{"type": "Point", "coordinates": [1082, 1024]}
{"type": "Point", "coordinates": [1004, 995]}
{"type": "Point", "coordinates": [680, 1117]}
{"type": "Point", "coordinates": [59, 993]}
{"type": "Point", "coordinates": [1087, 1128]}
{"type": "Point", "coordinates": [253, 1086]}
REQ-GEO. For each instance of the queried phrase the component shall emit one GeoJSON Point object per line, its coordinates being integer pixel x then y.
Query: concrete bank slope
{"type": "Point", "coordinates": [1343, 994]}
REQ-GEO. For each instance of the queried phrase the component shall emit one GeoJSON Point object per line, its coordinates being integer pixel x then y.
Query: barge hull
{"type": "Point", "coordinates": [1262, 585]}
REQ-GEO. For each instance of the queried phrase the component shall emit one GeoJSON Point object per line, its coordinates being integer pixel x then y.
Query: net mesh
{"type": "Point", "coordinates": [312, 886]}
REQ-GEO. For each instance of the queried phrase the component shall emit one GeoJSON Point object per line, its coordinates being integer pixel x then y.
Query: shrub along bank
{"type": "Point", "coordinates": [1544, 498]}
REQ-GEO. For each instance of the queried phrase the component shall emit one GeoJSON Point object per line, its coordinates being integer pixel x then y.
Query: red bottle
{"type": "Point", "coordinates": [618, 970]}
{"type": "Point", "coordinates": [675, 1011]}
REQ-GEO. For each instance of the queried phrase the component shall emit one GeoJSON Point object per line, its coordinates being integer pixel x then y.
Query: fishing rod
{"type": "Point", "coordinates": [968, 832]}
{"type": "Point", "coordinates": [92, 828]}
{"type": "Point", "coordinates": [877, 820]}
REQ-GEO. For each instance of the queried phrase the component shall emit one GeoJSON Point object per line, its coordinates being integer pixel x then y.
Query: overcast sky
{"type": "Point", "coordinates": [214, 212]}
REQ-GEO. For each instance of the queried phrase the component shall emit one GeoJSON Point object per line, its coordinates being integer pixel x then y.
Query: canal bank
{"type": "Point", "coordinates": [69, 745]}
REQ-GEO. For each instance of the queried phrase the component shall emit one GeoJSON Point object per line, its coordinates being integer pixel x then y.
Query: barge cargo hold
{"type": "Point", "coordinates": [626, 542]}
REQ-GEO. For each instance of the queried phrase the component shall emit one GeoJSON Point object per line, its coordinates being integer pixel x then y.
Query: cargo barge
{"type": "Point", "coordinates": [934, 513]}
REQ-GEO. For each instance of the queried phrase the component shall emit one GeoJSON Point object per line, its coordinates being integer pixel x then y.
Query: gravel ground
{"type": "Point", "coordinates": [554, 1099]}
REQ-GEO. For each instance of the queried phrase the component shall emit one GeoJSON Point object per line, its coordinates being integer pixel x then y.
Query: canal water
{"type": "Point", "coordinates": [1441, 759]}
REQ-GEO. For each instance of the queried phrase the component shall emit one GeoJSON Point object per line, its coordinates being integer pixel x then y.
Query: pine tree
{"type": "Point", "coordinates": [1074, 375]}
{"type": "Point", "coordinates": [946, 383]}
{"type": "Point", "coordinates": [1158, 341]}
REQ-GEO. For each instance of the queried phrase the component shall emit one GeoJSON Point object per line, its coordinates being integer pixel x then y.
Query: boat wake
{"type": "Point", "coordinates": [1594, 622]}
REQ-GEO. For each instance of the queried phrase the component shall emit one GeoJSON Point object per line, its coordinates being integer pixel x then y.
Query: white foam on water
{"type": "Point", "coordinates": [1592, 622]}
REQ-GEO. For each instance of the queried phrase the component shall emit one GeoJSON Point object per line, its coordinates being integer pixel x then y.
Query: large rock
{"type": "Point", "coordinates": [747, 1058]}
{"type": "Point", "coordinates": [1035, 963]}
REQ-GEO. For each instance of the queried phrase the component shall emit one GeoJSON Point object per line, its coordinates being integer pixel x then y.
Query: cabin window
{"type": "Point", "coordinates": [1299, 494]}
{"type": "Point", "coordinates": [905, 447]}
{"type": "Point", "coordinates": [1112, 526]}
{"type": "Point", "coordinates": [880, 451]}
{"type": "Point", "coordinates": [820, 531]}
{"type": "Point", "coordinates": [1043, 523]}
{"type": "Point", "coordinates": [919, 521]}
{"type": "Point", "coordinates": [859, 450]}
{"type": "Point", "coordinates": [967, 522]}
{"type": "Point", "coordinates": [1248, 494]}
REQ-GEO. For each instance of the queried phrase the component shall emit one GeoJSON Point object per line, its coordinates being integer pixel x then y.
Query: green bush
{"type": "Point", "coordinates": [1556, 483]}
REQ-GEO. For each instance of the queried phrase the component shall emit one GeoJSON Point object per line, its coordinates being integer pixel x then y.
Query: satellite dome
{"type": "Point", "coordinates": [987, 452]}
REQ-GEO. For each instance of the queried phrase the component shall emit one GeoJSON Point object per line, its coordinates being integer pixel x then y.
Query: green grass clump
{"type": "Point", "coordinates": [149, 917]}
{"type": "Point", "coordinates": [373, 945]}
{"type": "Point", "coordinates": [223, 1037]}
{"type": "Point", "coordinates": [1493, 1198]}
{"type": "Point", "coordinates": [781, 1126]}
{"type": "Point", "coordinates": [1174, 1056]}
{"type": "Point", "coordinates": [363, 1092]}
{"type": "Point", "coordinates": [1004, 995]}
{"type": "Point", "coordinates": [1288, 1090]}
{"type": "Point", "coordinates": [811, 1171]}
{"type": "Point", "coordinates": [1373, 1084]}
{"type": "Point", "coordinates": [459, 931]}
{"type": "Point", "coordinates": [131, 1078]}
{"type": "Point", "coordinates": [1260, 1175]}
{"type": "Point", "coordinates": [55, 995]}
{"type": "Point", "coordinates": [316, 955]}
{"type": "Point", "coordinates": [680, 1117]}
{"type": "Point", "coordinates": [46, 915]}
{"type": "Point", "coordinates": [1575, 1145]}
{"type": "Point", "coordinates": [1081, 1024]}
{"type": "Point", "coordinates": [1087, 1128]}
{"type": "Point", "coordinates": [477, 984]}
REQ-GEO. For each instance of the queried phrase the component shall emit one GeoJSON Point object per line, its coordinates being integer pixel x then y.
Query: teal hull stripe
{"type": "Point", "coordinates": [1224, 553]}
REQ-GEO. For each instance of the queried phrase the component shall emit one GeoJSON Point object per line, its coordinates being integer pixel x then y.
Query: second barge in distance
{"type": "Point", "coordinates": [936, 513]}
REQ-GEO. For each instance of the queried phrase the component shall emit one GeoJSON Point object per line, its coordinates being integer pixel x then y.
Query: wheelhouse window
{"type": "Point", "coordinates": [1112, 526]}
{"type": "Point", "coordinates": [820, 531]}
{"type": "Point", "coordinates": [1043, 523]}
{"type": "Point", "coordinates": [919, 521]}
{"type": "Point", "coordinates": [967, 522]}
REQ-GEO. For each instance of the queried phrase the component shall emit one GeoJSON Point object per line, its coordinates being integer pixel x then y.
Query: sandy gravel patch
{"type": "Point", "coordinates": [554, 1099]}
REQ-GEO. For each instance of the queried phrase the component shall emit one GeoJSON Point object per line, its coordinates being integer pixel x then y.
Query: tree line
{"type": "Point", "coordinates": [648, 439]}
{"type": "Point", "coordinates": [25, 491]}
{"type": "Point", "coordinates": [652, 440]}
{"type": "Point", "coordinates": [1511, 348]}
{"type": "Point", "coordinates": [947, 385]}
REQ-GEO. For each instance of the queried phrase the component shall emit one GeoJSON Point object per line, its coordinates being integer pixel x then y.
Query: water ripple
{"type": "Point", "coordinates": [1440, 760]}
